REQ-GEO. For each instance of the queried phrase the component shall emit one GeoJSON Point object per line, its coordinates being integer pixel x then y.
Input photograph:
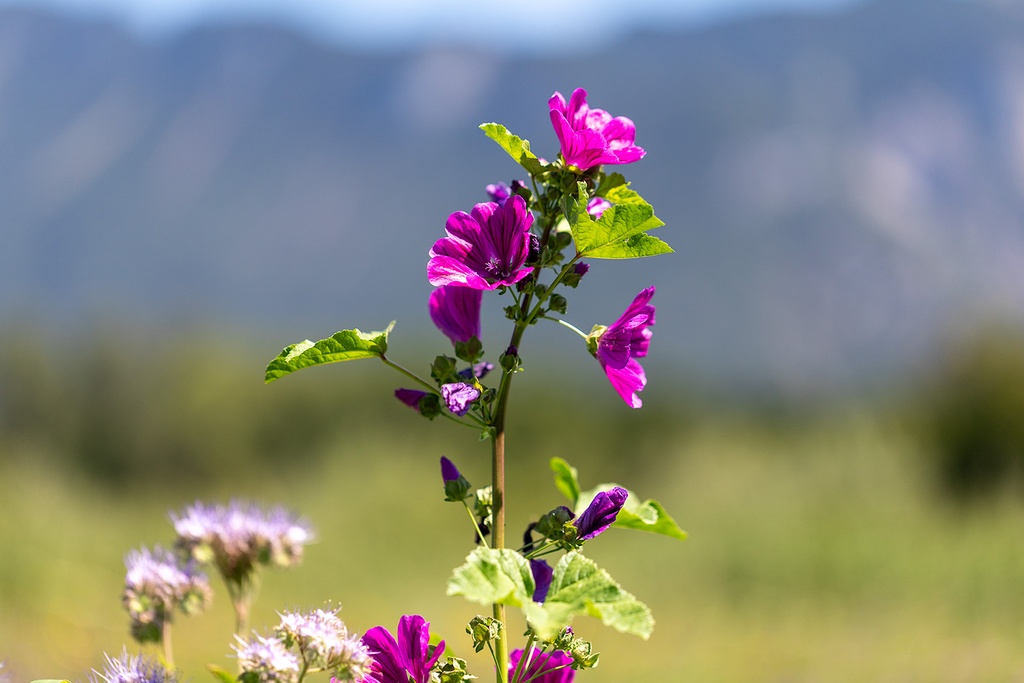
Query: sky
{"type": "Point", "coordinates": [536, 25]}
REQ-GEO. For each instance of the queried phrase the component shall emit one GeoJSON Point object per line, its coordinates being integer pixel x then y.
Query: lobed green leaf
{"type": "Point", "coordinates": [490, 576]}
{"type": "Point", "coordinates": [517, 148]}
{"type": "Point", "coordinates": [578, 587]}
{"type": "Point", "coordinates": [620, 231]}
{"type": "Point", "coordinates": [341, 346]}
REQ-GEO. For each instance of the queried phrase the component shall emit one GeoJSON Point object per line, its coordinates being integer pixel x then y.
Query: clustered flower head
{"type": "Point", "coordinates": [324, 643]}
{"type": "Point", "coordinates": [617, 347]}
{"type": "Point", "coordinates": [156, 583]}
{"type": "Point", "coordinates": [128, 669]}
{"type": "Point", "coordinates": [240, 536]}
{"type": "Point", "coordinates": [264, 659]}
{"type": "Point", "coordinates": [591, 137]}
{"type": "Point", "coordinates": [409, 659]}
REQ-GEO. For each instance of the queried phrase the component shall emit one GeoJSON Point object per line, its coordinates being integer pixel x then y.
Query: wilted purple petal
{"type": "Point", "coordinates": [600, 514]}
{"type": "Point", "coordinates": [458, 396]}
{"type": "Point", "coordinates": [456, 312]}
{"type": "Point", "coordinates": [542, 575]}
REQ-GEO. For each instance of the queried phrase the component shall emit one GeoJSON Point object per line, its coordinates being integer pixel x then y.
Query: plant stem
{"type": "Point", "coordinates": [165, 637]}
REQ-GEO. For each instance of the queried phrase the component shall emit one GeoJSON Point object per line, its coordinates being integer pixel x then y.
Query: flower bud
{"type": "Point", "coordinates": [455, 485]}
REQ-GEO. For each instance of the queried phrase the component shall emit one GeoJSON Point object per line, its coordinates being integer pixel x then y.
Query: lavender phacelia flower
{"type": "Point", "coordinates": [410, 659]}
{"type": "Point", "coordinates": [600, 514]}
{"type": "Point", "coordinates": [128, 669]}
{"type": "Point", "coordinates": [544, 667]}
{"type": "Point", "coordinates": [156, 583]}
{"type": "Point", "coordinates": [486, 249]}
{"type": "Point", "coordinates": [456, 312]}
{"type": "Point", "coordinates": [240, 536]}
{"type": "Point", "coordinates": [266, 659]}
{"type": "Point", "coordinates": [618, 346]}
{"type": "Point", "coordinates": [324, 643]}
{"type": "Point", "coordinates": [459, 396]}
{"type": "Point", "coordinates": [591, 137]}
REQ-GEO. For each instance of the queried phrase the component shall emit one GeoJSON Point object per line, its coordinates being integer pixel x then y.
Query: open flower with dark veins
{"type": "Point", "coordinates": [544, 667]}
{"type": "Point", "coordinates": [409, 659]}
{"type": "Point", "coordinates": [591, 137]}
{"type": "Point", "coordinates": [619, 345]}
{"type": "Point", "coordinates": [484, 249]}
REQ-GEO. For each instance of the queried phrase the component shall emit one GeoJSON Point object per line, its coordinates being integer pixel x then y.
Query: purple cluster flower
{"type": "Point", "coordinates": [621, 343]}
{"type": "Point", "coordinates": [591, 137]}
{"type": "Point", "coordinates": [240, 536]}
{"type": "Point", "coordinates": [156, 583]}
{"type": "Point", "coordinates": [543, 667]}
{"type": "Point", "coordinates": [128, 669]}
{"type": "Point", "coordinates": [485, 249]}
{"type": "Point", "coordinates": [266, 660]}
{"type": "Point", "coordinates": [409, 659]}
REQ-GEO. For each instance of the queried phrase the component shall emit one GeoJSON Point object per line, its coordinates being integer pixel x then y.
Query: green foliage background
{"type": "Point", "coordinates": [822, 544]}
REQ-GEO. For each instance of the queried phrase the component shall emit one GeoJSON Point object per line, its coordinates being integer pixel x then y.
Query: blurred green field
{"type": "Point", "coordinates": [820, 549]}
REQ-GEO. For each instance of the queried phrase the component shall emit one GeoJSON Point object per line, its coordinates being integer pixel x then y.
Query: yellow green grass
{"type": "Point", "coordinates": [816, 554]}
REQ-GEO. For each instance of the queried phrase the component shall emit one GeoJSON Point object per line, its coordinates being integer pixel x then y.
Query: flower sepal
{"type": "Point", "coordinates": [470, 351]}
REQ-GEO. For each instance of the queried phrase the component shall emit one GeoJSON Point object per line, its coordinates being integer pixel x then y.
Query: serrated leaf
{"type": "Point", "coordinates": [647, 515]}
{"type": "Point", "coordinates": [222, 675]}
{"type": "Point", "coordinates": [517, 148]}
{"type": "Point", "coordinates": [566, 479]}
{"type": "Point", "coordinates": [341, 346]}
{"type": "Point", "coordinates": [619, 232]}
{"type": "Point", "coordinates": [579, 586]}
{"type": "Point", "coordinates": [490, 576]}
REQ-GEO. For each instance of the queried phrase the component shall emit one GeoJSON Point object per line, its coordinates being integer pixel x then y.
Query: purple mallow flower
{"type": "Point", "coordinates": [600, 514]}
{"type": "Point", "coordinates": [591, 137]}
{"type": "Point", "coordinates": [485, 249]}
{"type": "Point", "coordinates": [553, 667]}
{"type": "Point", "coordinates": [597, 206]}
{"type": "Point", "coordinates": [410, 397]}
{"type": "Point", "coordinates": [456, 312]}
{"type": "Point", "coordinates": [479, 370]}
{"type": "Point", "coordinates": [407, 660]}
{"type": "Point", "coordinates": [458, 397]}
{"type": "Point", "coordinates": [500, 192]}
{"type": "Point", "coordinates": [542, 575]}
{"type": "Point", "coordinates": [621, 343]}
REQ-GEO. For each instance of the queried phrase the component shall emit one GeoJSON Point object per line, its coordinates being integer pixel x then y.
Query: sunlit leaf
{"type": "Point", "coordinates": [620, 232]}
{"type": "Point", "coordinates": [647, 515]}
{"type": "Point", "coordinates": [566, 479]}
{"type": "Point", "coordinates": [491, 576]}
{"type": "Point", "coordinates": [516, 147]}
{"type": "Point", "coordinates": [342, 346]}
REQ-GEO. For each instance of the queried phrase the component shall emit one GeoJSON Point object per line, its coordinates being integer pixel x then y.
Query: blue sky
{"type": "Point", "coordinates": [547, 25]}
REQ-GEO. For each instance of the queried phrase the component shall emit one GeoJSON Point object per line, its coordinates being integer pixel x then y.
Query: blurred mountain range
{"type": "Point", "coordinates": [842, 189]}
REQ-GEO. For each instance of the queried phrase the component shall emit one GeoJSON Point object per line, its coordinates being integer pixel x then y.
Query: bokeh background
{"type": "Point", "coordinates": [836, 401]}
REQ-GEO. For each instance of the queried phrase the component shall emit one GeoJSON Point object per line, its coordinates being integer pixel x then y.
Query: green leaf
{"type": "Point", "coordinates": [491, 576]}
{"type": "Point", "coordinates": [566, 479]}
{"type": "Point", "coordinates": [581, 587]}
{"type": "Point", "coordinates": [620, 231]}
{"type": "Point", "coordinates": [342, 346]}
{"type": "Point", "coordinates": [516, 147]}
{"type": "Point", "coordinates": [222, 675]}
{"type": "Point", "coordinates": [51, 680]}
{"type": "Point", "coordinates": [648, 515]}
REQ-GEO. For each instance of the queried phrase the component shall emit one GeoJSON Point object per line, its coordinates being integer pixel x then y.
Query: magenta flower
{"type": "Point", "coordinates": [483, 250]}
{"type": "Point", "coordinates": [597, 206]}
{"type": "Point", "coordinates": [542, 576]}
{"type": "Point", "coordinates": [591, 137]}
{"type": "Point", "coordinates": [407, 660]}
{"type": "Point", "coordinates": [600, 514]}
{"type": "Point", "coordinates": [456, 312]}
{"type": "Point", "coordinates": [458, 396]}
{"type": "Point", "coordinates": [553, 667]}
{"type": "Point", "coordinates": [621, 343]}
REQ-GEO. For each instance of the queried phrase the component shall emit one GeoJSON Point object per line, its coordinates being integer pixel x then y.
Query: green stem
{"type": "Point", "coordinates": [569, 325]}
{"type": "Point", "coordinates": [165, 637]}
{"type": "Point", "coordinates": [411, 375]}
{"type": "Point", "coordinates": [476, 526]}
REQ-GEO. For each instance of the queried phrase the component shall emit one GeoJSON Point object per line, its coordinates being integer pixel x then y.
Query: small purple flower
{"type": "Point", "coordinates": [267, 660]}
{"type": "Point", "coordinates": [479, 370]}
{"type": "Point", "coordinates": [128, 669]}
{"type": "Point", "coordinates": [156, 584]}
{"type": "Point", "coordinates": [600, 514]}
{"type": "Point", "coordinates": [581, 268]}
{"type": "Point", "coordinates": [553, 667]}
{"type": "Point", "coordinates": [324, 642]}
{"type": "Point", "coordinates": [410, 397]}
{"type": "Point", "coordinates": [458, 396]}
{"type": "Point", "coordinates": [597, 206]}
{"type": "Point", "coordinates": [483, 250]}
{"type": "Point", "coordinates": [621, 343]}
{"type": "Point", "coordinates": [591, 137]}
{"type": "Point", "coordinates": [456, 312]}
{"type": "Point", "coordinates": [407, 660]}
{"type": "Point", "coordinates": [499, 192]}
{"type": "Point", "coordinates": [542, 575]}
